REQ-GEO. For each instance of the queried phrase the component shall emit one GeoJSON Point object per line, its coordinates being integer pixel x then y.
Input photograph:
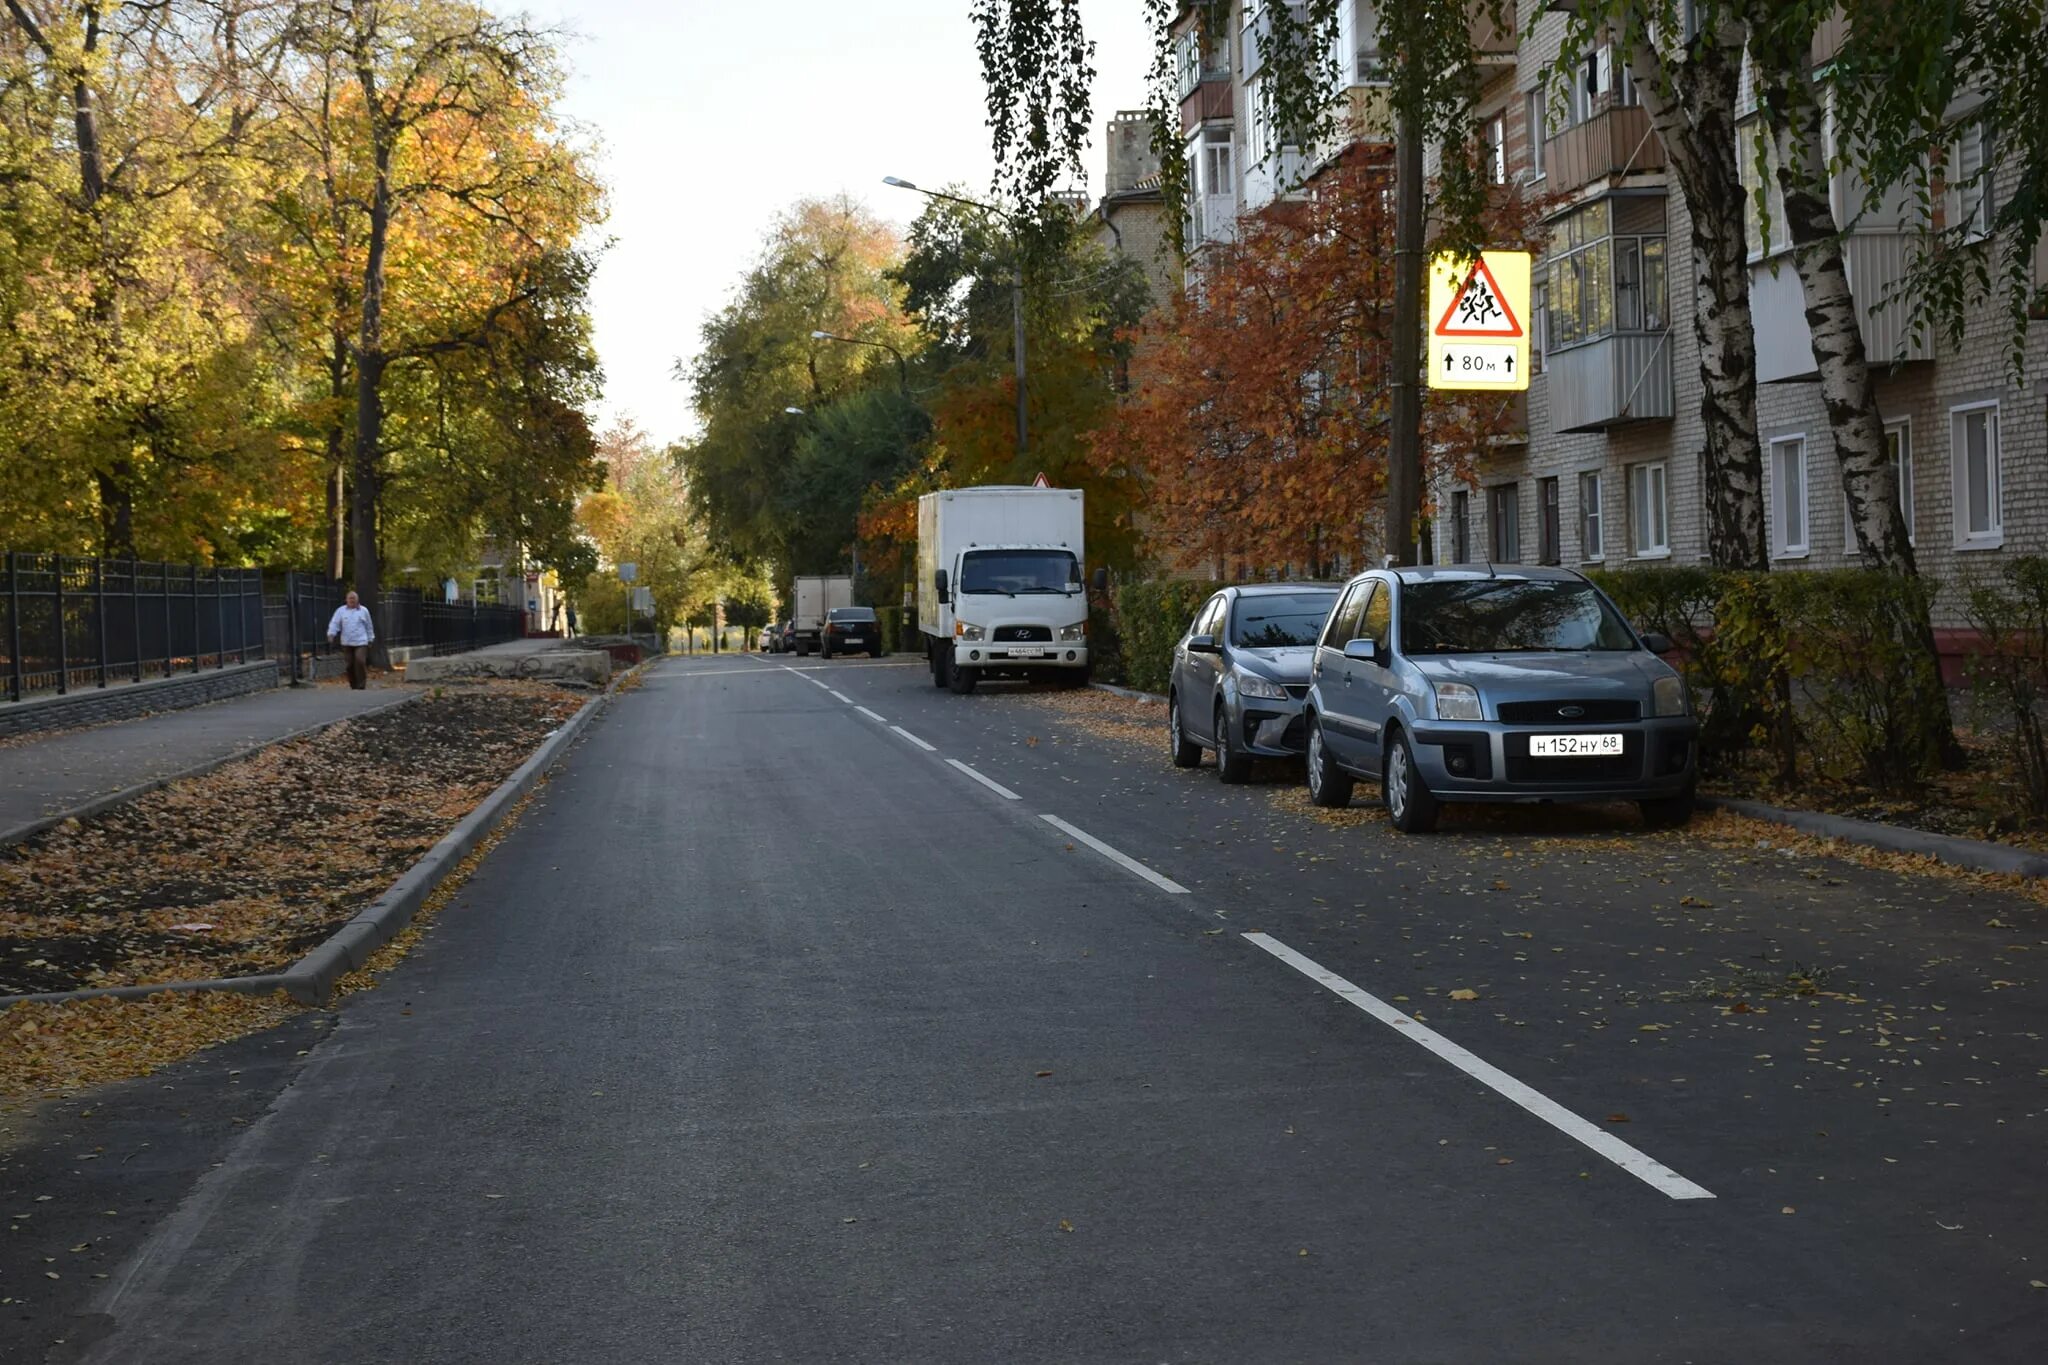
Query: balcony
{"type": "Point", "coordinates": [1621, 378]}
{"type": "Point", "coordinates": [1208, 101]}
{"type": "Point", "coordinates": [1616, 141]}
{"type": "Point", "coordinates": [1875, 262]}
{"type": "Point", "coordinates": [1493, 45]}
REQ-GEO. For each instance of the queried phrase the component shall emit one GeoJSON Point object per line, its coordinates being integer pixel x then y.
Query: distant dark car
{"type": "Point", "coordinates": [775, 637]}
{"type": "Point", "coordinates": [851, 630]}
{"type": "Point", "coordinates": [1241, 672]}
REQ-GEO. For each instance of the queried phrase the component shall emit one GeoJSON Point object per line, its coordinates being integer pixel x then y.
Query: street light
{"type": "Point", "coordinates": [794, 412]}
{"type": "Point", "coordinates": [902, 371]}
{"type": "Point", "coordinates": [1016, 293]}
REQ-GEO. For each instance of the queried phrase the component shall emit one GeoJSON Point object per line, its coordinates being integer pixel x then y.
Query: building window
{"type": "Point", "coordinates": [1598, 283]}
{"type": "Point", "coordinates": [1538, 116]}
{"type": "Point", "coordinates": [1898, 448]}
{"type": "Point", "coordinates": [1539, 324]}
{"type": "Point", "coordinates": [1649, 532]}
{"type": "Point", "coordinates": [1493, 149]}
{"type": "Point", "coordinates": [1504, 521]}
{"type": "Point", "coordinates": [1788, 496]}
{"type": "Point", "coordinates": [1980, 492]}
{"type": "Point", "coordinates": [1970, 204]}
{"type": "Point", "coordinates": [1548, 549]}
{"type": "Point", "coordinates": [1592, 540]}
{"type": "Point", "coordinates": [1461, 528]}
{"type": "Point", "coordinates": [1187, 61]}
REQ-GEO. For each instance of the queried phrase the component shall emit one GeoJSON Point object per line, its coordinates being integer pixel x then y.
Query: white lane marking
{"type": "Point", "coordinates": [998, 788]}
{"type": "Point", "coordinates": [869, 714]}
{"type": "Point", "coordinates": [841, 695]}
{"type": "Point", "coordinates": [928, 748]}
{"type": "Point", "coordinates": [812, 681]}
{"type": "Point", "coordinates": [1652, 1173]}
{"type": "Point", "coordinates": [1126, 862]}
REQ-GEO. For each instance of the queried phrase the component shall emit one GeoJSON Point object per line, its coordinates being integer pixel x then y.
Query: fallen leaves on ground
{"type": "Point", "coordinates": [1726, 829]}
{"type": "Point", "coordinates": [51, 1048]}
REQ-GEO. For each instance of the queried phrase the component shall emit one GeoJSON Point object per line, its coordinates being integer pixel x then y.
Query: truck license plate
{"type": "Point", "coordinates": [1575, 746]}
{"type": "Point", "coordinates": [1029, 653]}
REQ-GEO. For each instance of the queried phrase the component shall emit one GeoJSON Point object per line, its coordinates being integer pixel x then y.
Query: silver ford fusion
{"type": "Point", "coordinates": [1240, 673]}
{"type": "Point", "coordinates": [1494, 684]}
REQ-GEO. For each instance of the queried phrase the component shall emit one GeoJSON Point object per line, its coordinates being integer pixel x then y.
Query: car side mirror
{"type": "Point", "coordinates": [1657, 642]}
{"type": "Point", "coordinates": [1100, 580]}
{"type": "Point", "coordinates": [1365, 651]}
{"type": "Point", "coordinates": [1203, 644]}
{"type": "Point", "coordinates": [939, 586]}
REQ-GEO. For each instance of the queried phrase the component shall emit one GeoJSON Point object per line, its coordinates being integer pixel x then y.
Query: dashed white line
{"type": "Point", "coordinates": [812, 681]}
{"type": "Point", "coordinates": [928, 748]}
{"type": "Point", "coordinates": [998, 788]}
{"type": "Point", "coordinates": [841, 695]}
{"type": "Point", "coordinates": [1652, 1173]}
{"type": "Point", "coordinates": [1123, 860]}
{"type": "Point", "coordinates": [869, 714]}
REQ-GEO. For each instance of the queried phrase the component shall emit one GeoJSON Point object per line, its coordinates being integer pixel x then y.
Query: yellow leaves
{"type": "Point", "coordinates": [1464, 993]}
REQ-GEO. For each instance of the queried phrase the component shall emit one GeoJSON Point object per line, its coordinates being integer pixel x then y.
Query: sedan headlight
{"type": "Point", "coordinates": [1075, 632]}
{"type": "Point", "coordinates": [1667, 697]}
{"type": "Point", "coordinates": [1457, 701]}
{"type": "Point", "coordinates": [966, 630]}
{"type": "Point", "coordinates": [1252, 685]}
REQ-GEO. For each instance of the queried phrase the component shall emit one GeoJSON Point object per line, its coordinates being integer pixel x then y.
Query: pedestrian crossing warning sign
{"type": "Point", "coordinates": [1479, 339]}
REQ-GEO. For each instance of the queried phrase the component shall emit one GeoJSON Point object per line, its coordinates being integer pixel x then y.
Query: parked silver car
{"type": "Point", "coordinates": [1240, 674]}
{"type": "Point", "coordinates": [1494, 684]}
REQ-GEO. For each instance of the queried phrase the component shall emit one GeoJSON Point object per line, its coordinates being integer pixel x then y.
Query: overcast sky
{"type": "Point", "coordinates": [715, 114]}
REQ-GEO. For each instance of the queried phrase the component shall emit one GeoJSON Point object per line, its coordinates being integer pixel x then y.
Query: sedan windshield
{"type": "Point", "coordinates": [1020, 571]}
{"type": "Point", "coordinates": [852, 614]}
{"type": "Point", "coordinates": [1500, 615]}
{"type": "Point", "coordinates": [1274, 620]}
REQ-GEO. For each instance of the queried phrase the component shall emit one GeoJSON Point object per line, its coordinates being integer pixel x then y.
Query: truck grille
{"type": "Point", "coordinates": [1600, 711]}
{"type": "Point", "coordinates": [1023, 635]}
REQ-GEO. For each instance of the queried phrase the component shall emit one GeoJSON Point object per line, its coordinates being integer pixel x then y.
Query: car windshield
{"type": "Point", "coordinates": [1502, 615]}
{"type": "Point", "coordinates": [852, 614]}
{"type": "Point", "coordinates": [1020, 571]}
{"type": "Point", "coordinates": [1274, 620]}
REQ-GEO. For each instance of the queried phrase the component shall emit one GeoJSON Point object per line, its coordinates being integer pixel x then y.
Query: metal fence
{"type": "Point", "coordinates": [68, 622]}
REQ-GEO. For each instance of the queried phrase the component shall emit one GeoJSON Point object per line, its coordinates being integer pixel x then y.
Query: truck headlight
{"type": "Point", "coordinates": [1079, 632]}
{"type": "Point", "coordinates": [966, 630]}
{"type": "Point", "coordinates": [1252, 685]}
{"type": "Point", "coordinates": [1667, 697]}
{"type": "Point", "coordinates": [1457, 701]}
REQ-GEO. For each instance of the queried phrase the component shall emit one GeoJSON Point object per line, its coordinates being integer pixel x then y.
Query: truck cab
{"type": "Point", "coordinates": [1002, 593]}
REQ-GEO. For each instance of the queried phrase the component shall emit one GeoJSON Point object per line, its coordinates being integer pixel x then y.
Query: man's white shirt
{"type": "Point", "coordinates": [352, 624]}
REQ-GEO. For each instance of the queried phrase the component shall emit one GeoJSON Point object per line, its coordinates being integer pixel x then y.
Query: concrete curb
{"type": "Point", "coordinates": [311, 980]}
{"type": "Point", "coordinates": [100, 804]}
{"type": "Point", "coordinates": [1127, 693]}
{"type": "Point", "coordinates": [1974, 854]}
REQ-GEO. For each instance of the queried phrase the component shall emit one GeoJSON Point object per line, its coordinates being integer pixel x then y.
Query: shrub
{"type": "Point", "coordinates": [2010, 676]}
{"type": "Point", "coordinates": [1150, 619]}
{"type": "Point", "coordinates": [1105, 643]}
{"type": "Point", "coordinates": [889, 621]}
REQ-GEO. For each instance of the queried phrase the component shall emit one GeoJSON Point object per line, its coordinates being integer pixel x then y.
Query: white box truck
{"type": "Point", "coordinates": [999, 585]}
{"type": "Point", "coordinates": [815, 597]}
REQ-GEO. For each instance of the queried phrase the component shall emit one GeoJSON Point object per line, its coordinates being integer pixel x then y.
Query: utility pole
{"type": "Point", "coordinates": [1404, 437]}
{"type": "Point", "coordinates": [1017, 320]}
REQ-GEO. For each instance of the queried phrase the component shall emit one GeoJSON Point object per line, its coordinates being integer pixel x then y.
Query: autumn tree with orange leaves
{"type": "Point", "coordinates": [1257, 420]}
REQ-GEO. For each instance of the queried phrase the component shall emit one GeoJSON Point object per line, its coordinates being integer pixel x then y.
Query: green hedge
{"type": "Point", "coordinates": [1150, 619]}
{"type": "Point", "coordinates": [2009, 679]}
{"type": "Point", "coordinates": [890, 622]}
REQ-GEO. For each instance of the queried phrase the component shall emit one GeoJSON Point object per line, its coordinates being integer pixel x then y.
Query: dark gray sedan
{"type": "Point", "coordinates": [1241, 672]}
{"type": "Point", "coordinates": [1494, 684]}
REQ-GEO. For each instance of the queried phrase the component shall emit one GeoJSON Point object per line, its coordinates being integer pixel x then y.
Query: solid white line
{"type": "Point", "coordinates": [928, 748]}
{"type": "Point", "coordinates": [1652, 1173]}
{"type": "Point", "coordinates": [1127, 863]}
{"type": "Point", "coordinates": [869, 714]}
{"type": "Point", "coordinates": [998, 788]}
{"type": "Point", "coordinates": [842, 696]}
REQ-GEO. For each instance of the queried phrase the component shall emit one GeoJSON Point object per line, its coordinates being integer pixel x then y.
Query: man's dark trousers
{"type": "Point", "coordinates": [357, 658]}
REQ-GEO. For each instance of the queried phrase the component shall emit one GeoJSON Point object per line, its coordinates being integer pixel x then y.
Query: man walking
{"type": "Point", "coordinates": [352, 630]}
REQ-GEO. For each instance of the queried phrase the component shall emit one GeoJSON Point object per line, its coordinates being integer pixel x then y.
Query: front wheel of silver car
{"type": "Point", "coordinates": [1327, 784]}
{"type": "Point", "coordinates": [1410, 806]}
{"type": "Point", "coordinates": [1186, 753]}
{"type": "Point", "coordinates": [1233, 765]}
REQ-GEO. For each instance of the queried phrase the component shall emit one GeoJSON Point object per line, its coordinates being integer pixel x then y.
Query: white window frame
{"type": "Point", "coordinates": [1504, 533]}
{"type": "Point", "coordinates": [1592, 517]}
{"type": "Point", "coordinates": [1643, 545]}
{"type": "Point", "coordinates": [1970, 203]}
{"type": "Point", "coordinates": [1783, 544]}
{"type": "Point", "coordinates": [1536, 125]}
{"type": "Point", "coordinates": [1902, 475]}
{"type": "Point", "coordinates": [1993, 536]}
{"type": "Point", "coordinates": [1493, 137]}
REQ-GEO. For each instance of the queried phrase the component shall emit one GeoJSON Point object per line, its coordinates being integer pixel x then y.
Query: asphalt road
{"type": "Point", "coordinates": [773, 1034]}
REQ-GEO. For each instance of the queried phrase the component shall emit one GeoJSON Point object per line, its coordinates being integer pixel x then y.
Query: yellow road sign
{"type": "Point", "coordinates": [1479, 321]}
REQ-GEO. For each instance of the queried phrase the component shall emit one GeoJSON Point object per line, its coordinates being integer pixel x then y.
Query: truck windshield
{"type": "Point", "coordinates": [1276, 620]}
{"type": "Point", "coordinates": [1501, 615]}
{"type": "Point", "coordinates": [1020, 571]}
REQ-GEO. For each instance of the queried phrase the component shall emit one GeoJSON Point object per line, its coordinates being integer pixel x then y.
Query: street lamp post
{"type": "Point", "coordinates": [902, 370]}
{"type": "Point", "coordinates": [1016, 296]}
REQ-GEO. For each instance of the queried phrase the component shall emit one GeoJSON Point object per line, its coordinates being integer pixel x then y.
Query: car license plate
{"type": "Point", "coordinates": [1029, 653]}
{"type": "Point", "coordinates": [1575, 746]}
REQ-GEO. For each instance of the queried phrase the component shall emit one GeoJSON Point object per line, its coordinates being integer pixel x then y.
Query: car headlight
{"type": "Point", "coordinates": [1077, 632]}
{"type": "Point", "coordinates": [967, 630]}
{"type": "Point", "coordinates": [1252, 685]}
{"type": "Point", "coordinates": [1667, 697]}
{"type": "Point", "coordinates": [1457, 701]}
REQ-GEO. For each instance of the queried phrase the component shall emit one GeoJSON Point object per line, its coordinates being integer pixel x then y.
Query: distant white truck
{"type": "Point", "coordinates": [999, 585]}
{"type": "Point", "coordinates": [814, 598]}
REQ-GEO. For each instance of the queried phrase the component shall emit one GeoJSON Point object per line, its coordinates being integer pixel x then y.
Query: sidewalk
{"type": "Point", "coordinates": [42, 777]}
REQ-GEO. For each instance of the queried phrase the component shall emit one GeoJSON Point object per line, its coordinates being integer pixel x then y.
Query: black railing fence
{"type": "Point", "coordinates": [69, 622]}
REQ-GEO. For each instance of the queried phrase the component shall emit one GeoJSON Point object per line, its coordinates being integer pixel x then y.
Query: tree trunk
{"type": "Point", "coordinates": [337, 461]}
{"type": "Point", "coordinates": [117, 510]}
{"type": "Point", "coordinates": [1404, 408]}
{"type": "Point", "coordinates": [1697, 125]}
{"type": "Point", "coordinates": [370, 362]}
